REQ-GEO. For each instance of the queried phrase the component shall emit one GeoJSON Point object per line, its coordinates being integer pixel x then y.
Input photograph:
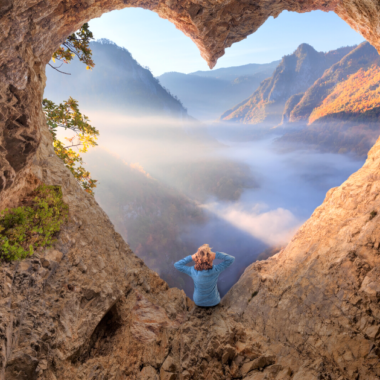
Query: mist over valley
{"type": "Point", "coordinates": [171, 180]}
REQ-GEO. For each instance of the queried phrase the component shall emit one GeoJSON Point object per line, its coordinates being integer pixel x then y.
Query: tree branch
{"type": "Point", "coordinates": [72, 146]}
{"type": "Point", "coordinates": [58, 70]}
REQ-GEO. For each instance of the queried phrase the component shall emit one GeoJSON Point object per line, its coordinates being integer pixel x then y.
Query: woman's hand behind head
{"type": "Point", "coordinates": [196, 257]}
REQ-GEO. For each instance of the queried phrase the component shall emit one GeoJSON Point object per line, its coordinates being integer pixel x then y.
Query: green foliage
{"type": "Point", "coordinates": [67, 115]}
{"type": "Point", "coordinates": [77, 44]}
{"type": "Point", "coordinates": [32, 225]}
{"type": "Point", "coordinates": [372, 214]}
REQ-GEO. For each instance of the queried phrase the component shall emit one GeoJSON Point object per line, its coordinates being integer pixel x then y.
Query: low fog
{"type": "Point", "coordinates": [290, 186]}
{"type": "Point", "coordinates": [240, 197]}
{"type": "Point", "coordinates": [171, 183]}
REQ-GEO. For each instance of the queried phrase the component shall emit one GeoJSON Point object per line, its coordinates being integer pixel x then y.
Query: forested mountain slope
{"type": "Point", "coordinates": [117, 82]}
{"type": "Point", "coordinates": [340, 112]}
{"type": "Point", "coordinates": [362, 57]}
{"type": "Point", "coordinates": [295, 74]}
{"type": "Point", "coordinates": [147, 213]}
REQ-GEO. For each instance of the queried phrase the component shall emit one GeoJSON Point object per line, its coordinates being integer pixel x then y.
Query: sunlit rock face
{"type": "Point", "coordinates": [321, 293]}
{"type": "Point", "coordinates": [90, 309]}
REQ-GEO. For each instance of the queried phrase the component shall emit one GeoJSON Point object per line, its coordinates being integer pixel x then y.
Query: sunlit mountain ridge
{"type": "Point", "coordinates": [295, 73]}
{"type": "Point", "coordinates": [340, 112]}
{"type": "Point", "coordinates": [327, 101]}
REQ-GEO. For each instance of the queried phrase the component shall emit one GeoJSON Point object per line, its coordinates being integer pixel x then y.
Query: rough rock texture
{"type": "Point", "coordinates": [90, 309]}
{"type": "Point", "coordinates": [320, 295]}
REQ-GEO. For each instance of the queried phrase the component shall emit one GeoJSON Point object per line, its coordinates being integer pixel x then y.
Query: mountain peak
{"type": "Point", "coordinates": [304, 49]}
{"type": "Point", "coordinates": [105, 41]}
{"type": "Point", "coordinates": [294, 75]}
{"type": "Point", "coordinates": [118, 81]}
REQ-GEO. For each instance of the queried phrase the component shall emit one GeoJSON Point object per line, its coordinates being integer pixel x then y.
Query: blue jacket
{"type": "Point", "coordinates": [205, 281]}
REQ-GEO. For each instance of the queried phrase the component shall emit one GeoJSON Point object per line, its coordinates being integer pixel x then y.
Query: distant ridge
{"type": "Point", "coordinates": [106, 41]}
{"type": "Point", "coordinates": [206, 94]}
{"type": "Point", "coordinates": [295, 74]}
{"type": "Point", "coordinates": [232, 72]}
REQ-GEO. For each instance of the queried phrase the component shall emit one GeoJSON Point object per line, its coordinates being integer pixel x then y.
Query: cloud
{"type": "Point", "coordinates": [273, 227]}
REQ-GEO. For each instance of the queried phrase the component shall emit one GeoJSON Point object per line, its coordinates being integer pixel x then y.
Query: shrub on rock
{"type": "Point", "coordinates": [33, 224]}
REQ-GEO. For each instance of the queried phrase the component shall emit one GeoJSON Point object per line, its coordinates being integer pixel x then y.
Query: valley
{"type": "Point", "coordinates": [182, 182]}
{"type": "Point", "coordinates": [311, 101]}
{"type": "Point", "coordinates": [88, 307]}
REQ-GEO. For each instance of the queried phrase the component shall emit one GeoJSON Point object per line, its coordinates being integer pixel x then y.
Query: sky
{"type": "Point", "coordinates": [156, 43]}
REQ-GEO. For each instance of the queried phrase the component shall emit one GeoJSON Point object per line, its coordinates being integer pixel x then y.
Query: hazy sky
{"type": "Point", "coordinates": [156, 43]}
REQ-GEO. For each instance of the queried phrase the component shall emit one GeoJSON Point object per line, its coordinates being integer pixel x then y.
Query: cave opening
{"type": "Point", "coordinates": [102, 339]}
{"type": "Point", "coordinates": [245, 197]}
{"type": "Point", "coordinates": [312, 278]}
{"type": "Point", "coordinates": [227, 177]}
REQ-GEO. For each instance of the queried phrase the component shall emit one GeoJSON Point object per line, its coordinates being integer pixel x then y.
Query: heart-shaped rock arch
{"type": "Point", "coordinates": [55, 318]}
{"type": "Point", "coordinates": [32, 30]}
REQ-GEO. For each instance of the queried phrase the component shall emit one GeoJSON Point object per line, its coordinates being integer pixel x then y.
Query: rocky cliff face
{"type": "Point", "coordinates": [320, 294]}
{"type": "Point", "coordinates": [295, 74]}
{"type": "Point", "coordinates": [90, 309]}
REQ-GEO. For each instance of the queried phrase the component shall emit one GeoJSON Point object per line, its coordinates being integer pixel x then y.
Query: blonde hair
{"type": "Point", "coordinates": [203, 260]}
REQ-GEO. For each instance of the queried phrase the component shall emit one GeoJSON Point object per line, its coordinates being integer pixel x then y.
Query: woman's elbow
{"type": "Point", "coordinates": [178, 266]}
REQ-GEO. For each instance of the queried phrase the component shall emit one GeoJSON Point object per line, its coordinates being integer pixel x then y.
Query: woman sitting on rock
{"type": "Point", "coordinates": [205, 274]}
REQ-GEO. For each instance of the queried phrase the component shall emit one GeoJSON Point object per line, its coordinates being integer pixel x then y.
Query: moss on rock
{"type": "Point", "coordinates": [33, 224]}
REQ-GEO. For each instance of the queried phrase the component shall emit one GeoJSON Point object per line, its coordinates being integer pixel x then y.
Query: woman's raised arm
{"type": "Point", "coordinates": [227, 261]}
{"type": "Point", "coordinates": [181, 265]}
